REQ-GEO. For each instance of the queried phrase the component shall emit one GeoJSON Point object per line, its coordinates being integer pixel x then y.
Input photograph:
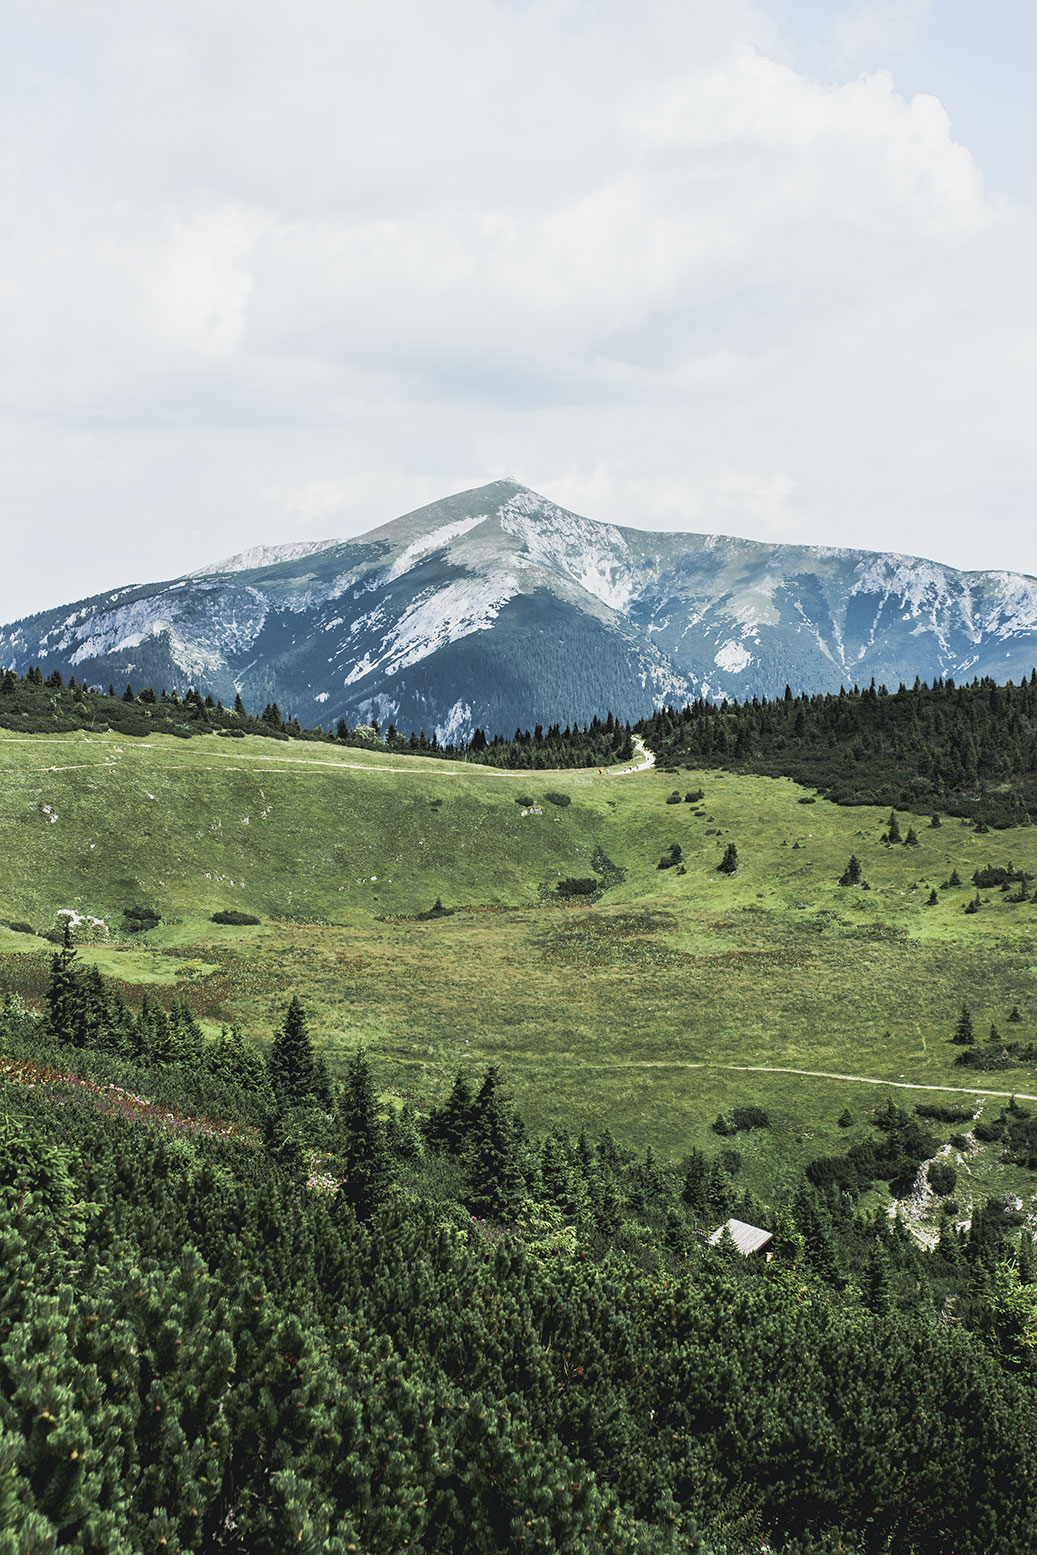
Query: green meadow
{"type": "Point", "coordinates": [650, 1008]}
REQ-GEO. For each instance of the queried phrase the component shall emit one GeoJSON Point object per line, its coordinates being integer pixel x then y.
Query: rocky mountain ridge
{"type": "Point", "coordinates": [497, 608]}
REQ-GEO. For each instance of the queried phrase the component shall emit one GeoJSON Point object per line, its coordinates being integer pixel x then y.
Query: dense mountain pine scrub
{"type": "Point", "coordinates": [247, 1312]}
{"type": "Point", "coordinates": [966, 750]}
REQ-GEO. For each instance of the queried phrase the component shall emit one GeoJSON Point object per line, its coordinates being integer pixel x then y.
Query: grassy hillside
{"type": "Point", "coordinates": [649, 1007]}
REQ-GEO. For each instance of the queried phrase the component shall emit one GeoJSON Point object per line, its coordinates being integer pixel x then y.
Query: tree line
{"type": "Point", "coordinates": [38, 704]}
{"type": "Point", "coordinates": [967, 750]}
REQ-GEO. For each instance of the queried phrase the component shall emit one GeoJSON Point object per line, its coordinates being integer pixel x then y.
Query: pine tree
{"type": "Point", "coordinates": [290, 1063]}
{"type": "Point", "coordinates": [363, 1151]}
{"type": "Point", "coordinates": [447, 1126]}
{"type": "Point", "coordinates": [729, 863]}
{"type": "Point", "coordinates": [964, 1034]}
{"type": "Point", "coordinates": [237, 1062]}
{"type": "Point", "coordinates": [64, 1016]}
{"type": "Point", "coordinates": [851, 875]}
{"type": "Point", "coordinates": [493, 1174]}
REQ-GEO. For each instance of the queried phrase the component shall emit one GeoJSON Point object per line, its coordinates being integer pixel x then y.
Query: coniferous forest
{"type": "Point", "coordinates": [246, 1309]}
{"type": "Point", "coordinates": [967, 750]}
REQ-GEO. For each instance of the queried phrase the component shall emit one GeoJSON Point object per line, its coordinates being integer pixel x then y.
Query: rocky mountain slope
{"type": "Point", "coordinates": [496, 608]}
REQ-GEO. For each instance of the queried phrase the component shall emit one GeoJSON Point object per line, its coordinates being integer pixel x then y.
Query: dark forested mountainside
{"type": "Point", "coordinates": [966, 750]}
{"type": "Point", "coordinates": [248, 1311]}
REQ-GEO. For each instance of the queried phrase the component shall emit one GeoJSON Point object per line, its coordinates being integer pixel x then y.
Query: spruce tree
{"type": "Point", "coordinates": [494, 1176]}
{"type": "Point", "coordinates": [851, 875]}
{"type": "Point", "coordinates": [290, 1064]}
{"type": "Point", "coordinates": [363, 1151]}
{"type": "Point", "coordinates": [447, 1126]}
{"type": "Point", "coordinates": [64, 1016]}
{"type": "Point", "coordinates": [964, 1035]}
{"type": "Point", "coordinates": [729, 863]}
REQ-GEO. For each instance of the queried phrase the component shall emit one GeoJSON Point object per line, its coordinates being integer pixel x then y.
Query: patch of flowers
{"type": "Point", "coordinates": [117, 1102]}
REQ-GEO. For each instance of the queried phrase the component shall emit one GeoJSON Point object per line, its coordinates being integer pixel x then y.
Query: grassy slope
{"type": "Point", "coordinates": [598, 1013]}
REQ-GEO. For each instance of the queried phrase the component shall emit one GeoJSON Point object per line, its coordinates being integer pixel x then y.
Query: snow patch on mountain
{"type": "Point", "coordinates": [433, 620]}
{"type": "Point", "coordinates": [202, 631]}
{"type": "Point", "coordinates": [264, 556]}
{"type": "Point", "coordinates": [425, 545]}
{"type": "Point", "coordinates": [457, 727]}
{"type": "Point", "coordinates": [596, 556]}
{"type": "Point", "coordinates": [1013, 605]}
{"type": "Point", "coordinates": [733, 657]}
{"type": "Point", "coordinates": [918, 583]}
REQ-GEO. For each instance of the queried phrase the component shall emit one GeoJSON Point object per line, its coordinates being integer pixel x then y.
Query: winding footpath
{"type": "Point", "coordinates": [811, 1074]}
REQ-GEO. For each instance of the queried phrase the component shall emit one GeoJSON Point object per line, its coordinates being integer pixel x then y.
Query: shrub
{"type": "Point", "coordinates": [750, 1117]}
{"type": "Point", "coordinates": [729, 863]}
{"type": "Point", "coordinates": [806, 799]}
{"type": "Point", "coordinates": [694, 796]}
{"type": "Point", "coordinates": [671, 858]}
{"type": "Point", "coordinates": [21, 928]}
{"type": "Point", "coordinates": [241, 919]}
{"type": "Point", "coordinates": [942, 1177]}
{"type": "Point", "coordinates": [673, 798]}
{"type": "Point", "coordinates": [561, 800]}
{"type": "Point", "coordinates": [723, 1126]}
{"type": "Point", "coordinates": [578, 886]}
{"type": "Point", "coordinates": [138, 919]}
{"type": "Point", "coordinates": [992, 875]}
{"type": "Point", "coordinates": [525, 802]}
{"type": "Point", "coordinates": [941, 1113]}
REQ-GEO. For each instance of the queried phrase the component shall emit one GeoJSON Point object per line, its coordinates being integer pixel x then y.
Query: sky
{"type": "Point", "coordinates": [273, 272]}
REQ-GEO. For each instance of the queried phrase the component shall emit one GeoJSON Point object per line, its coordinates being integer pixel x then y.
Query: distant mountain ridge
{"type": "Point", "coordinates": [496, 608]}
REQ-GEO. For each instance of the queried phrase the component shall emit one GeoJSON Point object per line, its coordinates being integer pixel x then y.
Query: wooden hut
{"type": "Point", "coordinates": [748, 1239]}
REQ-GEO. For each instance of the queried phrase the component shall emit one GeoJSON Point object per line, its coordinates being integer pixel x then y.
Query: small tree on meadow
{"type": "Point", "coordinates": [851, 875]}
{"type": "Point", "coordinates": [964, 1034]}
{"type": "Point", "coordinates": [729, 863]}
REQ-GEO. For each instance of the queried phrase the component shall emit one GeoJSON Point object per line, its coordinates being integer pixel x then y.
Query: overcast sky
{"type": "Point", "coordinates": [274, 272]}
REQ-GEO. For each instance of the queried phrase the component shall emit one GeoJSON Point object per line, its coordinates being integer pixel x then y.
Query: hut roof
{"type": "Point", "coordinates": [747, 1239]}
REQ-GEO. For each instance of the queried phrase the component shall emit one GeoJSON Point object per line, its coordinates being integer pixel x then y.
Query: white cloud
{"type": "Point", "coordinates": [271, 271]}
